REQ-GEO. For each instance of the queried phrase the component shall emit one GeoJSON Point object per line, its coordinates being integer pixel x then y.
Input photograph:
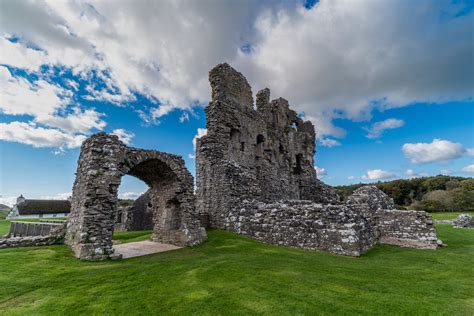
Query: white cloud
{"type": "Point", "coordinates": [445, 172]}
{"type": "Point", "coordinates": [412, 174]}
{"type": "Point", "coordinates": [130, 195]}
{"type": "Point", "coordinates": [437, 150]}
{"type": "Point", "coordinates": [468, 168]}
{"type": "Point", "coordinates": [80, 121]}
{"type": "Point", "coordinates": [470, 152]}
{"type": "Point", "coordinates": [328, 142]}
{"type": "Point", "coordinates": [200, 133]}
{"type": "Point", "coordinates": [30, 134]}
{"type": "Point", "coordinates": [346, 63]}
{"type": "Point", "coordinates": [191, 156]}
{"type": "Point", "coordinates": [123, 135]}
{"type": "Point", "coordinates": [378, 174]}
{"type": "Point", "coordinates": [8, 200]}
{"type": "Point", "coordinates": [47, 104]}
{"type": "Point", "coordinates": [320, 172]}
{"type": "Point", "coordinates": [377, 129]}
{"type": "Point", "coordinates": [39, 98]}
{"type": "Point", "coordinates": [184, 117]}
{"type": "Point", "coordinates": [350, 177]}
{"type": "Point", "coordinates": [20, 56]}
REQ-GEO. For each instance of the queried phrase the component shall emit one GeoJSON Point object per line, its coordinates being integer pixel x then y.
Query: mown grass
{"type": "Point", "coordinates": [449, 215]}
{"type": "Point", "coordinates": [132, 236]}
{"type": "Point", "coordinates": [234, 275]}
{"type": "Point", "coordinates": [4, 227]}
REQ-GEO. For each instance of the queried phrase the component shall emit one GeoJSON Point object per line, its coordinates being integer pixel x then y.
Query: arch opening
{"type": "Point", "coordinates": [133, 211]}
{"type": "Point", "coordinates": [103, 161]}
{"type": "Point", "coordinates": [162, 211]}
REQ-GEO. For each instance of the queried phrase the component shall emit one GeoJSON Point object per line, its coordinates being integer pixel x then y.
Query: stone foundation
{"type": "Point", "coordinates": [411, 229]}
{"type": "Point", "coordinates": [464, 221]}
{"type": "Point", "coordinates": [304, 224]}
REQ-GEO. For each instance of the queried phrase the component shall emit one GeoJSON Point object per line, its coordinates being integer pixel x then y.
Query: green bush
{"type": "Point", "coordinates": [432, 194]}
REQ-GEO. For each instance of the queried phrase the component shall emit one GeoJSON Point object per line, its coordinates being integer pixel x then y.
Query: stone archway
{"type": "Point", "coordinates": [104, 159]}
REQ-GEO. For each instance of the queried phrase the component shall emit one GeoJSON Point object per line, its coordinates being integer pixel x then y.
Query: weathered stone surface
{"type": "Point", "coordinates": [55, 236]}
{"type": "Point", "coordinates": [25, 229]}
{"type": "Point", "coordinates": [464, 221]}
{"type": "Point", "coordinates": [375, 199]}
{"type": "Point", "coordinates": [263, 154]}
{"type": "Point", "coordinates": [304, 224]}
{"type": "Point", "coordinates": [413, 229]}
{"type": "Point", "coordinates": [138, 216]}
{"type": "Point", "coordinates": [104, 159]}
{"type": "Point", "coordinates": [255, 167]}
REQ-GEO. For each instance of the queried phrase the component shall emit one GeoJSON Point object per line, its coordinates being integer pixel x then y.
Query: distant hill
{"type": "Point", "coordinates": [4, 210]}
{"type": "Point", "coordinates": [433, 194]}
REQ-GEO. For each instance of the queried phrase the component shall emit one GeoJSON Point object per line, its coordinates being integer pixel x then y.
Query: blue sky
{"type": "Point", "coordinates": [391, 96]}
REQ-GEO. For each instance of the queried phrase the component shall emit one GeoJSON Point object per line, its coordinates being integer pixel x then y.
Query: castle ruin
{"type": "Point", "coordinates": [255, 176]}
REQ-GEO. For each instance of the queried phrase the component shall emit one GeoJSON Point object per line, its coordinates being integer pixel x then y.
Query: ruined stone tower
{"type": "Point", "coordinates": [263, 153]}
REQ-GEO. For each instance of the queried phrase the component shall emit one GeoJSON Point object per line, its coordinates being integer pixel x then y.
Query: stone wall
{"type": "Point", "coordinates": [464, 221]}
{"type": "Point", "coordinates": [412, 229]}
{"type": "Point", "coordinates": [23, 229]}
{"type": "Point", "coordinates": [55, 236]}
{"type": "Point", "coordinates": [263, 153]}
{"type": "Point", "coordinates": [138, 216]}
{"type": "Point", "coordinates": [103, 160]}
{"type": "Point", "coordinates": [304, 224]}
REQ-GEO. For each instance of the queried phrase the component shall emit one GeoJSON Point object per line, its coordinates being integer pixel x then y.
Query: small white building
{"type": "Point", "coordinates": [26, 208]}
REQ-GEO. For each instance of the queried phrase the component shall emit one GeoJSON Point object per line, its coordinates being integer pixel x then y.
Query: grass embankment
{"type": "Point", "coordinates": [231, 274]}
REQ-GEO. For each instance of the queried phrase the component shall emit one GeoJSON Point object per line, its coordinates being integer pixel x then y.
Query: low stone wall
{"type": "Point", "coordinates": [464, 221]}
{"type": "Point", "coordinates": [55, 236]}
{"type": "Point", "coordinates": [24, 229]}
{"type": "Point", "coordinates": [304, 224]}
{"type": "Point", "coordinates": [29, 241]}
{"type": "Point", "coordinates": [413, 229]}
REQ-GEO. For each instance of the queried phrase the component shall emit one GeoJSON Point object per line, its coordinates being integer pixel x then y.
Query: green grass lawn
{"type": "Point", "coordinates": [4, 227]}
{"type": "Point", "coordinates": [133, 236]}
{"type": "Point", "coordinates": [234, 275]}
{"type": "Point", "coordinates": [449, 215]}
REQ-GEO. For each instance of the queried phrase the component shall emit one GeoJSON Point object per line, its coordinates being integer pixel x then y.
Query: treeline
{"type": "Point", "coordinates": [432, 194]}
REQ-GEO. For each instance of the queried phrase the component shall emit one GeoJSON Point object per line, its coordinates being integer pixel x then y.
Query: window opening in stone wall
{"type": "Point", "coordinates": [259, 147]}
{"type": "Point", "coordinates": [299, 159]}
